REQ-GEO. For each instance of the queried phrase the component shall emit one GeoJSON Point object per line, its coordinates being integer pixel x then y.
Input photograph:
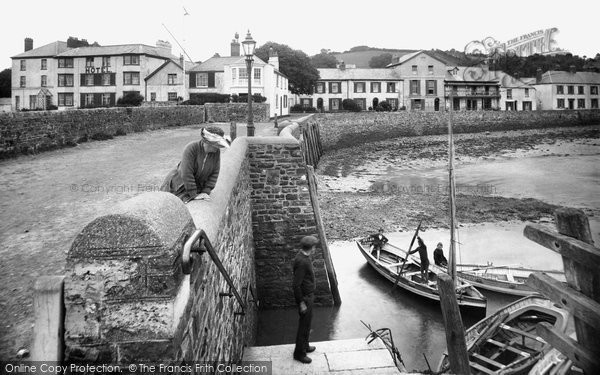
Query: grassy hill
{"type": "Point", "coordinates": [361, 58]}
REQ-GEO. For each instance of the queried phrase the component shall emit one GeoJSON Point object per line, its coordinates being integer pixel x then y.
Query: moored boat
{"type": "Point", "coordinates": [506, 342]}
{"type": "Point", "coordinates": [396, 266]}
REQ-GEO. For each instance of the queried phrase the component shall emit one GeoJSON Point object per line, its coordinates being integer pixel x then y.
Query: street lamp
{"type": "Point", "coordinates": [249, 45]}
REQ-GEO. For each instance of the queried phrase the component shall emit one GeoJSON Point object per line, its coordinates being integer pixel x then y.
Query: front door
{"type": "Point", "coordinates": [334, 104]}
{"type": "Point", "coordinates": [571, 103]}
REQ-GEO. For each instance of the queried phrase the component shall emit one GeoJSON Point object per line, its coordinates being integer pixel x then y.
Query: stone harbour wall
{"type": "Point", "coordinates": [281, 215]}
{"type": "Point", "coordinates": [339, 130]}
{"type": "Point", "coordinates": [225, 112]}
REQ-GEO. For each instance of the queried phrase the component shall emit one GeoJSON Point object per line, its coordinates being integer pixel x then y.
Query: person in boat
{"type": "Point", "coordinates": [197, 173]}
{"type": "Point", "coordinates": [304, 294]}
{"type": "Point", "coordinates": [422, 249]}
{"type": "Point", "coordinates": [378, 241]}
{"type": "Point", "coordinates": [438, 256]}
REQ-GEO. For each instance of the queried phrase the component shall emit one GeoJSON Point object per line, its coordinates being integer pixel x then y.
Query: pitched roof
{"type": "Point", "coordinates": [557, 76]}
{"type": "Point", "coordinates": [123, 49]}
{"type": "Point", "coordinates": [409, 56]}
{"type": "Point", "coordinates": [48, 50]}
{"type": "Point", "coordinates": [358, 74]}
{"type": "Point", "coordinates": [471, 74]}
{"type": "Point", "coordinates": [218, 63]}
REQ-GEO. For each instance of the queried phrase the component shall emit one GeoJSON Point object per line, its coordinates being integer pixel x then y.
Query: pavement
{"type": "Point", "coordinates": [354, 356]}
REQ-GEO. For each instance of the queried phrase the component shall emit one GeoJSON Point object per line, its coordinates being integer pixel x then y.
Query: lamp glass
{"type": "Point", "coordinates": [249, 44]}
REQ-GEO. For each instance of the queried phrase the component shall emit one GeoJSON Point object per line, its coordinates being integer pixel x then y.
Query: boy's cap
{"type": "Point", "coordinates": [308, 241]}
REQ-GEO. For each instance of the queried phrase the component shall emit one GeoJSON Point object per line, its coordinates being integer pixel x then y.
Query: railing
{"type": "Point", "coordinates": [200, 237]}
{"type": "Point", "coordinates": [472, 93]}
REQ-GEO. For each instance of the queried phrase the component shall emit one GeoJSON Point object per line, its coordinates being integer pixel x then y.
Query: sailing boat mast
{"type": "Point", "coordinates": [452, 255]}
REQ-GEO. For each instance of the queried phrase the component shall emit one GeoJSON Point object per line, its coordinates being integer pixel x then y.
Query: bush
{"type": "Point", "coordinates": [350, 105]}
{"type": "Point", "coordinates": [256, 98]}
{"type": "Point", "coordinates": [207, 97]}
{"type": "Point", "coordinates": [131, 99]}
{"type": "Point", "coordinates": [298, 108]}
{"type": "Point", "coordinates": [383, 106]}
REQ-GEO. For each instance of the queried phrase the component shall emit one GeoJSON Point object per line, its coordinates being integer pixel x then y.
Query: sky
{"type": "Point", "coordinates": [307, 25]}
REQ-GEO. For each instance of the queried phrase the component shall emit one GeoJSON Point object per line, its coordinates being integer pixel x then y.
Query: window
{"type": "Point", "coordinates": [359, 87]}
{"type": "Point", "coordinates": [129, 78]}
{"type": "Point", "coordinates": [106, 99]}
{"type": "Point", "coordinates": [202, 79]}
{"type": "Point", "coordinates": [527, 106]}
{"type": "Point", "coordinates": [44, 64]}
{"type": "Point", "coordinates": [431, 89]}
{"type": "Point", "coordinates": [233, 76]}
{"type": "Point", "coordinates": [152, 96]}
{"type": "Point", "coordinates": [17, 102]}
{"type": "Point", "coordinates": [335, 87]}
{"type": "Point", "coordinates": [172, 79]}
{"type": "Point", "coordinates": [243, 76]}
{"type": "Point", "coordinates": [106, 61]}
{"type": "Point", "coordinates": [22, 81]}
{"type": "Point", "coordinates": [106, 79]}
{"type": "Point", "coordinates": [570, 90]}
{"type": "Point", "coordinates": [172, 97]}
{"type": "Point", "coordinates": [88, 100]}
{"type": "Point", "coordinates": [391, 87]}
{"type": "Point", "coordinates": [131, 60]}
{"type": "Point", "coordinates": [65, 99]}
{"type": "Point", "coordinates": [393, 102]}
{"type": "Point", "coordinates": [362, 103]}
{"type": "Point", "coordinates": [32, 101]}
{"type": "Point", "coordinates": [44, 81]}
{"type": "Point", "coordinates": [430, 69]}
{"type": "Point", "coordinates": [375, 86]}
{"type": "Point", "coordinates": [508, 93]}
{"type": "Point", "coordinates": [560, 89]}
{"type": "Point", "coordinates": [306, 103]}
{"type": "Point", "coordinates": [594, 90]}
{"type": "Point", "coordinates": [594, 103]}
{"type": "Point", "coordinates": [276, 100]}
{"type": "Point", "coordinates": [285, 101]}
{"type": "Point", "coordinates": [65, 80]}
{"type": "Point", "coordinates": [581, 103]}
{"type": "Point", "coordinates": [257, 74]}
{"type": "Point", "coordinates": [414, 69]}
{"type": "Point", "coordinates": [320, 87]}
{"type": "Point", "coordinates": [560, 103]}
{"type": "Point", "coordinates": [88, 80]}
{"type": "Point", "coordinates": [65, 62]}
{"type": "Point", "coordinates": [527, 93]}
{"type": "Point", "coordinates": [580, 90]}
{"type": "Point", "coordinates": [23, 65]}
{"type": "Point", "coordinates": [415, 87]}
{"type": "Point", "coordinates": [89, 62]}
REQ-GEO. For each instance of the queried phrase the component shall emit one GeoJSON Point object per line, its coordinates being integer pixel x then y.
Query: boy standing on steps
{"type": "Point", "coordinates": [304, 293]}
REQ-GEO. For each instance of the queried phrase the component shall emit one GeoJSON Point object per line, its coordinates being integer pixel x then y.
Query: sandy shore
{"type": "Point", "coordinates": [352, 204]}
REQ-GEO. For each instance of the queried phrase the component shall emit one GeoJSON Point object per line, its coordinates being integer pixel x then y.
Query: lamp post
{"type": "Point", "coordinates": [249, 45]}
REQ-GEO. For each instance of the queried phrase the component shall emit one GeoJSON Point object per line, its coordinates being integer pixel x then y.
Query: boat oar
{"type": "Point", "coordinates": [406, 257]}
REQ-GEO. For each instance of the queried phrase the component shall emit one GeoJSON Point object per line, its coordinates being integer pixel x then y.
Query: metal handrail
{"type": "Point", "coordinates": [186, 262]}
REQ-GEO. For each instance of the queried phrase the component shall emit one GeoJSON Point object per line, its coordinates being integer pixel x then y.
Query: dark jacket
{"type": "Point", "coordinates": [197, 173]}
{"type": "Point", "coordinates": [377, 241]}
{"type": "Point", "coordinates": [304, 278]}
{"type": "Point", "coordinates": [422, 249]}
{"type": "Point", "coordinates": [439, 258]}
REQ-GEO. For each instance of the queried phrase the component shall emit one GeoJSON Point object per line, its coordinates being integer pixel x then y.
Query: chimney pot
{"type": "Point", "coordinates": [235, 46]}
{"type": "Point", "coordinates": [28, 44]}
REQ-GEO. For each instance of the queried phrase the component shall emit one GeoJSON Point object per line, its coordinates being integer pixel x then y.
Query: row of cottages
{"type": "Point", "coordinates": [228, 75]}
{"type": "Point", "coordinates": [61, 75]}
{"type": "Point", "coordinates": [568, 90]}
{"type": "Point", "coordinates": [421, 81]}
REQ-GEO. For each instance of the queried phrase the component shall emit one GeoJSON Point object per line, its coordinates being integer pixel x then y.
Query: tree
{"type": "Point", "coordinates": [380, 61]}
{"type": "Point", "coordinates": [5, 83]}
{"type": "Point", "coordinates": [295, 64]}
{"type": "Point", "coordinates": [324, 60]}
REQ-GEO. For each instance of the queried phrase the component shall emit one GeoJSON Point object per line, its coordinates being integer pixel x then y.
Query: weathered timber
{"type": "Point", "coordinates": [49, 315]}
{"type": "Point", "coordinates": [455, 332]}
{"type": "Point", "coordinates": [577, 303]}
{"type": "Point", "coordinates": [569, 347]}
{"type": "Point", "coordinates": [333, 284]}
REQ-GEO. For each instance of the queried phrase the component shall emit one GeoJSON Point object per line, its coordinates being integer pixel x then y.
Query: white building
{"type": "Point", "coordinates": [568, 90]}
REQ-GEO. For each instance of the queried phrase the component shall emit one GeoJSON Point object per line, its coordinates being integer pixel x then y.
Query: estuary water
{"type": "Point", "coordinates": [417, 324]}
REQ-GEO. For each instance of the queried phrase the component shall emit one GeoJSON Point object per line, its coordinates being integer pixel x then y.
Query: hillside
{"type": "Point", "coordinates": [361, 58]}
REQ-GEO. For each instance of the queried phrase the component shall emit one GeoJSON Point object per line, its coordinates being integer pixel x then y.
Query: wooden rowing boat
{"type": "Point", "coordinates": [506, 342]}
{"type": "Point", "coordinates": [390, 263]}
{"type": "Point", "coordinates": [502, 279]}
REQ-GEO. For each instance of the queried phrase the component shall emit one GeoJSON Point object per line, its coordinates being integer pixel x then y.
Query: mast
{"type": "Point", "coordinates": [452, 255]}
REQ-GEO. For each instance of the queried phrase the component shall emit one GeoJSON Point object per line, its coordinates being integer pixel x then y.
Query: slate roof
{"type": "Point", "coordinates": [217, 63]}
{"type": "Point", "coordinates": [330, 74]}
{"type": "Point", "coordinates": [48, 50]}
{"type": "Point", "coordinates": [558, 76]}
{"type": "Point", "coordinates": [123, 49]}
{"type": "Point", "coordinates": [409, 56]}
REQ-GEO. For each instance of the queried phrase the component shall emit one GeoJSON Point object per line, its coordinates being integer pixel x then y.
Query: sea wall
{"type": "Point", "coordinates": [339, 130]}
{"type": "Point", "coordinates": [217, 112]}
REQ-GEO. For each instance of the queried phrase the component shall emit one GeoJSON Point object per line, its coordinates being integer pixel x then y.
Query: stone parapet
{"type": "Point", "coordinates": [225, 112]}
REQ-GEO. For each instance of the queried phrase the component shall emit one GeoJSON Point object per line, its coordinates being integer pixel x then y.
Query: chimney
{"type": "Point", "coordinates": [235, 45]}
{"type": "Point", "coordinates": [28, 44]}
{"type": "Point", "coordinates": [342, 65]}
{"type": "Point", "coordinates": [181, 62]}
{"type": "Point", "coordinates": [538, 75]}
{"type": "Point", "coordinates": [164, 46]}
{"type": "Point", "coordinates": [572, 69]}
{"type": "Point", "coordinates": [273, 58]}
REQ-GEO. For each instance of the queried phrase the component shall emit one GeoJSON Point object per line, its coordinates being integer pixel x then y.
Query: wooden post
{"type": "Point", "coordinates": [314, 198]}
{"type": "Point", "coordinates": [275, 123]}
{"type": "Point", "coordinates": [455, 332]}
{"type": "Point", "coordinates": [49, 315]}
{"type": "Point", "coordinates": [580, 276]}
{"type": "Point", "coordinates": [233, 130]}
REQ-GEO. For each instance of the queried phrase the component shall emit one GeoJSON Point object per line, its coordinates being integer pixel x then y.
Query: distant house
{"type": "Point", "coordinates": [5, 105]}
{"type": "Point", "coordinates": [516, 94]}
{"type": "Point", "coordinates": [367, 87]}
{"type": "Point", "coordinates": [568, 90]}
{"type": "Point", "coordinates": [472, 88]}
{"type": "Point", "coordinates": [228, 75]}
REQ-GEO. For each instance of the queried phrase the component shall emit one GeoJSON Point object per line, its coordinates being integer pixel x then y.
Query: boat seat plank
{"type": "Point", "coordinates": [479, 367]}
{"type": "Point", "coordinates": [522, 333]}
{"type": "Point", "coordinates": [508, 347]}
{"type": "Point", "coordinates": [488, 360]}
